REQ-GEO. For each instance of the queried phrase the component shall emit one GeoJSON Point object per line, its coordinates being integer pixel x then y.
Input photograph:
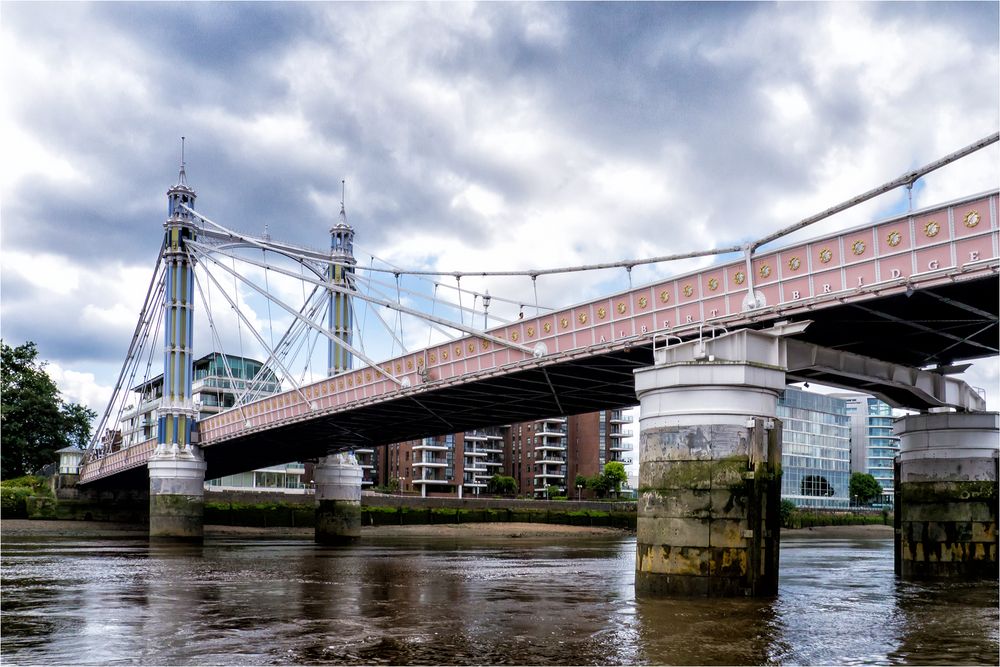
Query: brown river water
{"type": "Point", "coordinates": [465, 600]}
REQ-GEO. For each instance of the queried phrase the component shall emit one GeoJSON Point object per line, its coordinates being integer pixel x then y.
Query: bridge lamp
{"type": "Point", "coordinates": [486, 308]}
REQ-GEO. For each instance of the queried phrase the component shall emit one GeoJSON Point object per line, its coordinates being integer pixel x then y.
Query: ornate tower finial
{"type": "Point", "coordinates": [343, 190]}
{"type": "Point", "coordinates": [181, 176]}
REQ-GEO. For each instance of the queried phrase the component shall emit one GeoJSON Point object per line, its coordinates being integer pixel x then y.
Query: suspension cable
{"type": "Point", "coordinates": [270, 323]}
{"type": "Point", "coordinates": [242, 316]}
{"type": "Point", "coordinates": [218, 341]}
{"type": "Point", "coordinates": [336, 288]}
{"type": "Point", "coordinates": [908, 177]}
{"type": "Point", "coordinates": [534, 286]}
{"type": "Point", "coordinates": [143, 317]}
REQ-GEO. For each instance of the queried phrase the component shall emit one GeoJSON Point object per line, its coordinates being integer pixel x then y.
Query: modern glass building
{"type": "Point", "coordinates": [873, 446]}
{"type": "Point", "coordinates": [816, 449]}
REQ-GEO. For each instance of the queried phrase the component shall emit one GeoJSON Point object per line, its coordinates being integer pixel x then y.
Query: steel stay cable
{"type": "Point", "coordinates": [328, 334]}
{"type": "Point", "coordinates": [270, 322]}
{"type": "Point", "coordinates": [152, 348]}
{"type": "Point", "coordinates": [903, 180]}
{"type": "Point", "coordinates": [399, 318]}
{"type": "Point", "coordinates": [381, 319]}
{"type": "Point", "coordinates": [207, 251]}
{"type": "Point", "coordinates": [239, 314]}
{"type": "Point", "coordinates": [218, 340]}
{"type": "Point", "coordinates": [371, 281]}
{"type": "Point", "coordinates": [422, 276]}
{"type": "Point", "coordinates": [907, 178]}
{"type": "Point", "coordinates": [236, 294]}
{"type": "Point", "coordinates": [143, 316]}
{"type": "Point", "coordinates": [325, 307]}
{"type": "Point", "coordinates": [134, 360]}
{"type": "Point", "coordinates": [284, 344]}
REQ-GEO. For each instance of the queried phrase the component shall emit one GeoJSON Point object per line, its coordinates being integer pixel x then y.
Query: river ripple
{"type": "Point", "coordinates": [422, 600]}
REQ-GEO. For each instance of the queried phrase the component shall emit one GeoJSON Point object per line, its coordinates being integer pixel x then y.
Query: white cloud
{"type": "Point", "coordinates": [49, 272]}
{"type": "Point", "coordinates": [472, 137]}
{"type": "Point", "coordinates": [80, 387]}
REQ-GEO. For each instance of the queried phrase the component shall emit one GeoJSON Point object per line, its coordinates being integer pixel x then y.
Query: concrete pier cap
{"type": "Point", "coordinates": [338, 499]}
{"type": "Point", "coordinates": [177, 493]}
{"type": "Point", "coordinates": [946, 495]}
{"type": "Point", "coordinates": [709, 467]}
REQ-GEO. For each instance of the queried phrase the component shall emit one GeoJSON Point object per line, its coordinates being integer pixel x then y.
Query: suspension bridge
{"type": "Point", "coordinates": [891, 308]}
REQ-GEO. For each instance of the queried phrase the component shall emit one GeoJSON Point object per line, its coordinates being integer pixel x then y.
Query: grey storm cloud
{"type": "Point", "coordinates": [593, 131]}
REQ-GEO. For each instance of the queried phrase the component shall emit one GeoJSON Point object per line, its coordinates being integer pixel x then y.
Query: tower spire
{"type": "Point", "coordinates": [181, 176]}
{"type": "Point", "coordinates": [343, 191]}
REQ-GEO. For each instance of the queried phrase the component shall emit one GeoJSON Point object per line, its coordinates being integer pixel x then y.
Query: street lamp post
{"type": "Point", "coordinates": [579, 490]}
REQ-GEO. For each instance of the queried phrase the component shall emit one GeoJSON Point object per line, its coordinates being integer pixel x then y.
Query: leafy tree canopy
{"type": "Point", "coordinates": [615, 475]}
{"type": "Point", "coordinates": [610, 479]}
{"type": "Point", "coordinates": [34, 421]}
{"type": "Point", "coordinates": [864, 487]}
{"type": "Point", "coordinates": [502, 485]}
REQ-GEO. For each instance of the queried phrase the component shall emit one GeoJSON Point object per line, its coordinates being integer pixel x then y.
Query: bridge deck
{"type": "Point", "coordinates": [917, 290]}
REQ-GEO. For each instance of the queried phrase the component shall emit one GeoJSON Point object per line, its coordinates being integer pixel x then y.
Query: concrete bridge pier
{"type": "Point", "coordinates": [177, 493]}
{"type": "Point", "coordinates": [338, 499]}
{"type": "Point", "coordinates": [946, 495]}
{"type": "Point", "coordinates": [710, 469]}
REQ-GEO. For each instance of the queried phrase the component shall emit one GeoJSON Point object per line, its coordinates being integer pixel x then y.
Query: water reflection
{"type": "Point", "coordinates": [465, 601]}
{"type": "Point", "coordinates": [709, 632]}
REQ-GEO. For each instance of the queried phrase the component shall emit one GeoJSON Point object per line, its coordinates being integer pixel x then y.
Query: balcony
{"type": "Point", "coordinates": [431, 481]}
{"type": "Point", "coordinates": [475, 469]}
{"type": "Point", "coordinates": [478, 453]}
{"type": "Point", "coordinates": [430, 463]}
{"type": "Point", "coordinates": [475, 437]}
{"type": "Point", "coordinates": [620, 447]}
{"type": "Point", "coordinates": [551, 461]}
{"type": "Point", "coordinates": [431, 447]}
{"type": "Point", "coordinates": [552, 432]}
{"type": "Point", "coordinates": [550, 447]}
{"type": "Point", "coordinates": [620, 419]}
{"type": "Point", "coordinates": [624, 433]}
{"type": "Point", "coordinates": [549, 475]}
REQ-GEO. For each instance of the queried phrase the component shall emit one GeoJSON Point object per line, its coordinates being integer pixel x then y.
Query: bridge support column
{"type": "Point", "coordinates": [946, 495]}
{"type": "Point", "coordinates": [709, 477]}
{"type": "Point", "coordinates": [338, 499]}
{"type": "Point", "coordinates": [177, 494]}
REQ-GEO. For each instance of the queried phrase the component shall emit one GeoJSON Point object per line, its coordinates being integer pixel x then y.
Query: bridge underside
{"type": "Point", "coordinates": [937, 325]}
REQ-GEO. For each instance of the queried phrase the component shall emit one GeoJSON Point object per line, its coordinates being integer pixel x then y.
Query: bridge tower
{"type": "Point", "coordinates": [338, 475]}
{"type": "Point", "coordinates": [340, 314]}
{"type": "Point", "coordinates": [177, 469]}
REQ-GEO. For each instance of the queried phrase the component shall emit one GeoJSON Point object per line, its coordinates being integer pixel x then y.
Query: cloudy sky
{"type": "Point", "coordinates": [471, 136]}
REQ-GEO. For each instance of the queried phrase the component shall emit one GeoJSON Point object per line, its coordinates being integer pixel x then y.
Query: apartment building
{"type": "Point", "coordinates": [815, 449]}
{"type": "Point", "coordinates": [873, 445]}
{"type": "Point", "coordinates": [219, 380]}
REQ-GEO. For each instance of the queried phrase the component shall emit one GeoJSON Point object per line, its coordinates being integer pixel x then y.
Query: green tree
{"type": "Point", "coordinates": [865, 488]}
{"type": "Point", "coordinates": [614, 476]}
{"type": "Point", "coordinates": [34, 421]}
{"type": "Point", "coordinates": [78, 419]}
{"type": "Point", "coordinates": [502, 485]}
